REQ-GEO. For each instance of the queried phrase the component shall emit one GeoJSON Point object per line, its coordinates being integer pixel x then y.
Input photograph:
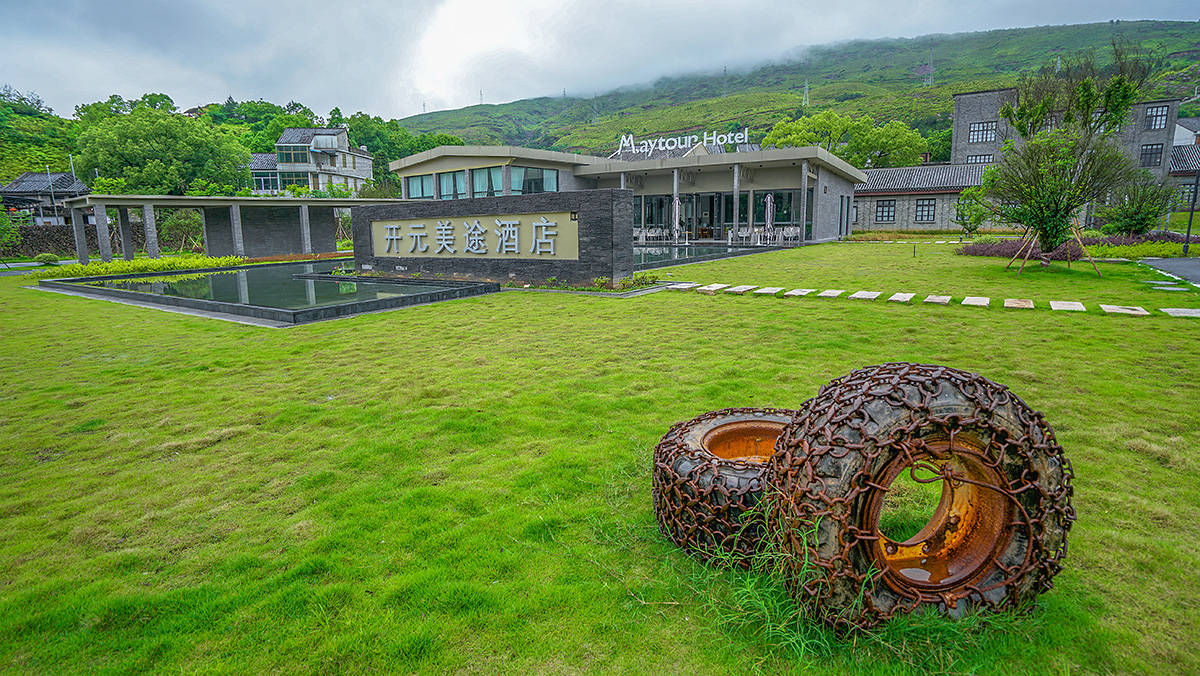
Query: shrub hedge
{"type": "Point", "coordinates": [137, 265]}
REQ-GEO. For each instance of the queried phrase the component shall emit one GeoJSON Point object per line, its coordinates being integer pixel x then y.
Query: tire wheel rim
{"type": "Point", "coordinates": [751, 441]}
{"type": "Point", "coordinates": [969, 528]}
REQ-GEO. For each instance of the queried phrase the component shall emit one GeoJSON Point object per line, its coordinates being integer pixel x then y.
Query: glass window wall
{"type": "Point", "coordinates": [530, 180]}
{"type": "Point", "coordinates": [487, 182]}
{"type": "Point", "coordinates": [452, 185]}
{"type": "Point", "coordinates": [420, 187]}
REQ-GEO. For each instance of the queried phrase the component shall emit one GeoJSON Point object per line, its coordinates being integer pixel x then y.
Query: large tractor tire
{"type": "Point", "coordinates": [708, 472]}
{"type": "Point", "coordinates": [998, 535]}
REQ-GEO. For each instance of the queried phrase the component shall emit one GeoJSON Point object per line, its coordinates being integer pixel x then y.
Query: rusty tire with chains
{"type": "Point", "coordinates": [707, 472]}
{"type": "Point", "coordinates": [998, 535]}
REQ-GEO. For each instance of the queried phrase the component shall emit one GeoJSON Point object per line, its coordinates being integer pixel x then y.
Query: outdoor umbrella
{"type": "Point", "coordinates": [676, 213]}
{"type": "Point", "coordinates": [770, 229]}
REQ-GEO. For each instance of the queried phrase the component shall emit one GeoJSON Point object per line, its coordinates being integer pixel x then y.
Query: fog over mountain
{"type": "Point", "coordinates": [394, 58]}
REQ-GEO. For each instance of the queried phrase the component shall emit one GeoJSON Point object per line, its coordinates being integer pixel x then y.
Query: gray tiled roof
{"type": "Point", "coordinates": [654, 154]}
{"type": "Point", "coordinates": [928, 178]}
{"type": "Point", "coordinates": [297, 135]}
{"type": "Point", "coordinates": [1190, 123]}
{"type": "Point", "coordinates": [36, 183]}
{"type": "Point", "coordinates": [263, 161]}
{"type": "Point", "coordinates": [1185, 159]}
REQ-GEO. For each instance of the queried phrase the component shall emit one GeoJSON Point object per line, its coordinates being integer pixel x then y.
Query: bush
{"type": "Point", "coordinates": [182, 227]}
{"type": "Point", "coordinates": [46, 259]}
{"type": "Point", "coordinates": [1111, 247]}
{"type": "Point", "coordinates": [1091, 233]}
{"type": "Point", "coordinates": [637, 279]}
{"type": "Point", "coordinates": [602, 283]}
{"type": "Point", "coordinates": [1142, 250]}
{"type": "Point", "coordinates": [135, 266]}
{"type": "Point", "coordinates": [1139, 207]}
{"type": "Point", "coordinates": [986, 239]}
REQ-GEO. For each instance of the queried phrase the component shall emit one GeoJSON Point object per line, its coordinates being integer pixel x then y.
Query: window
{"type": "Point", "coordinates": [353, 161]}
{"type": "Point", "coordinates": [1152, 155]}
{"type": "Point", "coordinates": [420, 187]}
{"type": "Point", "coordinates": [452, 185]}
{"type": "Point", "coordinates": [981, 132]}
{"type": "Point", "coordinates": [287, 178]}
{"type": "Point", "coordinates": [529, 180]}
{"type": "Point", "coordinates": [979, 159]}
{"type": "Point", "coordinates": [885, 211]}
{"type": "Point", "coordinates": [343, 161]}
{"type": "Point", "coordinates": [1156, 117]}
{"type": "Point", "coordinates": [486, 182]}
{"type": "Point", "coordinates": [265, 180]}
{"type": "Point", "coordinates": [292, 154]}
{"type": "Point", "coordinates": [783, 207]}
{"type": "Point", "coordinates": [855, 213]}
{"type": "Point", "coordinates": [1185, 194]}
{"type": "Point", "coordinates": [925, 210]}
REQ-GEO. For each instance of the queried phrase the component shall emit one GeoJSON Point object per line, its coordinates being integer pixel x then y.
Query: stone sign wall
{"type": "Point", "coordinates": [573, 237]}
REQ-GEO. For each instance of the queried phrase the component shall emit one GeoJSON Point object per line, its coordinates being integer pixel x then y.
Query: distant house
{"type": "Point", "coordinates": [312, 157]}
{"type": "Point", "coordinates": [43, 194]}
{"type": "Point", "coordinates": [1185, 162]}
{"type": "Point", "coordinates": [913, 198]}
{"type": "Point", "coordinates": [1187, 131]}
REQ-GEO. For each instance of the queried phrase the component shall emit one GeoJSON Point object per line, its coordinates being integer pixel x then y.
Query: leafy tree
{"type": "Point", "coordinates": [156, 152]}
{"type": "Point", "coordinates": [856, 140]}
{"type": "Point", "coordinates": [110, 186]}
{"type": "Point", "coordinates": [939, 144]}
{"type": "Point", "coordinates": [31, 101]}
{"type": "Point", "coordinates": [1138, 206]}
{"type": "Point", "coordinates": [1065, 157]}
{"type": "Point", "coordinates": [336, 119]}
{"type": "Point", "coordinates": [93, 113]}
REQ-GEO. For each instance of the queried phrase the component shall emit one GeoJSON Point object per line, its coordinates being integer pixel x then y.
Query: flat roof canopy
{"type": "Point", "coordinates": [93, 199]}
{"type": "Point", "coordinates": [497, 152]}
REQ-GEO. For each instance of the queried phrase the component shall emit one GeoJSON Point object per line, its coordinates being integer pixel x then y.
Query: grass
{"type": "Point", "coordinates": [465, 486]}
{"type": "Point", "coordinates": [925, 235]}
{"type": "Point", "coordinates": [935, 269]}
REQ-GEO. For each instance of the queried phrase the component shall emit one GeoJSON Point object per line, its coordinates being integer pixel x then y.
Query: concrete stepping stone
{"type": "Point", "coordinates": [1067, 306]}
{"type": "Point", "coordinates": [1158, 281]}
{"type": "Point", "coordinates": [1168, 288]}
{"type": "Point", "coordinates": [978, 301]}
{"type": "Point", "coordinates": [798, 292]}
{"type": "Point", "coordinates": [768, 291]}
{"type": "Point", "coordinates": [940, 241]}
{"type": "Point", "coordinates": [901, 297]}
{"type": "Point", "coordinates": [1018, 303]}
{"type": "Point", "coordinates": [1182, 311]}
{"type": "Point", "coordinates": [938, 300]}
{"type": "Point", "coordinates": [864, 295]}
{"type": "Point", "coordinates": [1124, 310]}
{"type": "Point", "coordinates": [831, 293]}
{"type": "Point", "coordinates": [683, 286]}
{"type": "Point", "coordinates": [712, 288]}
{"type": "Point", "coordinates": [740, 289]}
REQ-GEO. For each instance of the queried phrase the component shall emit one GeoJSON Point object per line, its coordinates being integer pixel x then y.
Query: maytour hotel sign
{"type": "Point", "coordinates": [645, 146]}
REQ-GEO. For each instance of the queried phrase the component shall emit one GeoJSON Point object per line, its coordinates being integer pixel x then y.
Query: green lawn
{"type": "Point", "coordinates": [465, 486]}
{"type": "Point", "coordinates": [936, 269]}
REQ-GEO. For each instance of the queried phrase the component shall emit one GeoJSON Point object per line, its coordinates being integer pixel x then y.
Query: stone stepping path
{"type": "Point", "coordinates": [1123, 310]}
{"type": "Point", "coordinates": [934, 299]}
{"type": "Point", "coordinates": [1182, 311]}
{"type": "Point", "coordinates": [1067, 306]}
{"type": "Point", "coordinates": [1168, 288]}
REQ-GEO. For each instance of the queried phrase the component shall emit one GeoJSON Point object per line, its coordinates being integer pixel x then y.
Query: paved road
{"type": "Point", "coordinates": [1188, 268]}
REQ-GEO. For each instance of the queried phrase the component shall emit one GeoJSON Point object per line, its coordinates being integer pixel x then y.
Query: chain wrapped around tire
{"type": "Point", "coordinates": [998, 535]}
{"type": "Point", "coordinates": [707, 472]}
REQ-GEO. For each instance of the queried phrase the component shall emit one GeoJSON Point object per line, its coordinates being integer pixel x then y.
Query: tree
{"type": "Point", "coordinates": [161, 153]}
{"type": "Point", "coordinates": [93, 113]}
{"type": "Point", "coordinates": [1065, 157]}
{"type": "Point", "coordinates": [335, 118]}
{"type": "Point", "coordinates": [1138, 206]}
{"type": "Point", "coordinates": [856, 140]}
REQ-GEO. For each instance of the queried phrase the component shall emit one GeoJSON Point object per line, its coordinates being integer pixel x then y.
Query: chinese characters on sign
{"type": "Point", "coordinates": [526, 236]}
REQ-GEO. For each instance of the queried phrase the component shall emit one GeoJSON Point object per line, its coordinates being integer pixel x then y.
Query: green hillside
{"type": "Point", "coordinates": [882, 78]}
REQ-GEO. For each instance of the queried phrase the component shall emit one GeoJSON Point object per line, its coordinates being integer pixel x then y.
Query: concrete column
{"type": "Point", "coordinates": [151, 231]}
{"type": "Point", "coordinates": [803, 196]}
{"type": "Point", "coordinates": [737, 180]}
{"type": "Point", "coordinates": [305, 231]}
{"type": "Point", "coordinates": [127, 249]}
{"type": "Point", "coordinates": [403, 188]}
{"type": "Point", "coordinates": [243, 287]}
{"type": "Point", "coordinates": [79, 225]}
{"type": "Point", "coordinates": [104, 239]}
{"type": "Point", "coordinates": [623, 180]}
{"type": "Point", "coordinates": [235, 224]}
{"type": "Point", "coordinates": [506, 180]}
{"type": "Point", "coordinates": [470, 183]}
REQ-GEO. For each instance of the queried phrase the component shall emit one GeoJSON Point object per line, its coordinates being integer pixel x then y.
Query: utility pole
{"type": "Point", "coordinates": [805, 91]}
{"type": "Point", "coordinates": [72, 158]}
{"type": "Point", "coordinates": [481, 97]}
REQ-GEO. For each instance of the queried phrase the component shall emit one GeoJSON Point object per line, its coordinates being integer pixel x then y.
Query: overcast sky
{"type": "Point", "coordinates": [390, 57]}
